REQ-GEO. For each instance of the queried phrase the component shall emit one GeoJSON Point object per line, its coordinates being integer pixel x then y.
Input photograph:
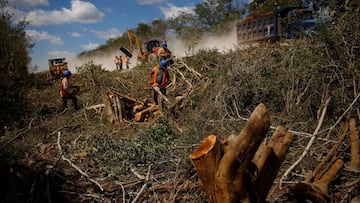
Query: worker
{"type": "Point", "coordinates": [118, 62]}
{"type": "Point", "coordinates": [127, 62]}
{"type": "Point", "coordinates": [68, 91]}
{"type": "Point", "coordinates": [159, 79]}
{"type": "Point", "coordinates": [164, 52]}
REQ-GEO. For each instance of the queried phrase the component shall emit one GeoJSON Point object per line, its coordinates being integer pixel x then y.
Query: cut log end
{"type": "Point", "coordinates": [206, 146]}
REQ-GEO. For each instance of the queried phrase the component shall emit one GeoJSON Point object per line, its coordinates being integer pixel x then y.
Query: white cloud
{"type": "Point", "coordinates": [172, 11]}
{"type": "Point", "coordinates": [44, 36]}
{"type": "Point", "coordinates": [80, 12]}
{"type": "Point", "coordinates": [74, 34]}
{"type": "Point", "coordinates": [26, 3]}
{"type": "Point", "coordinates": [111, 33]}
{"type": "Point", "coordinates": [89, 46]}
{"type": "Point", "coordinates": [149, 2]}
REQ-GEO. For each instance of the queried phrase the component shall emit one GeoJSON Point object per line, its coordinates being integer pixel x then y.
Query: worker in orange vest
{"type": "Point", "coordinates": [127, 61]}
{"type": "Point", "coordinates": [159, 78]}
{"type": "Point", "coordinates": [118, 62]}
{"type": "Point", "coordinates": [68, 91]}
{"type": "Point", "coordinates": [164, 52]}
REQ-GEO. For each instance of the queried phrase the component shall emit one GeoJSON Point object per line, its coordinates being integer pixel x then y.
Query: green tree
{"type": "Point", "coordinates": [215, 15]}
{"type": "Point", "coordinates": [14, 47]}
{"type": "Point", "coordinates": [261, 6]}
{"type": "Point", "coordinates": [158, 28]}
{"type": "Point", "coordinates": [143, 31]}
{"type": "Point", "coordinates": [186, 27]}
{"type": "Point", "coordinates": [211, 16]}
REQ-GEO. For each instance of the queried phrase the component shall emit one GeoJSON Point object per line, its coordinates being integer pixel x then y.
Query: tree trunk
{"type": "Point", "coordinates": [224, 174]}
{"type": "Point", "coordinates": [269, 158]}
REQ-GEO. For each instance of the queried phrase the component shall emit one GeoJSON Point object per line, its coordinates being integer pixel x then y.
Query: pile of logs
{"type": "Point", "coordinates": [121, 108]}
{"type": "Point", "coordinates": [242, 168]}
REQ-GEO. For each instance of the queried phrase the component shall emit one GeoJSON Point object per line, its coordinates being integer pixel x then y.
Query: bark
{"type": "Point", "coordinates": [226, 176]}
{"type": "Point", "coordinates": [205, 160]}
{"type": "Point", "coordinates": [109, 111]}
{"type": "Point", "coordinates": [327, 161]}
{"type": "Point", "coordinates": [325, 180]}
{"type": "Point", "coordinates": [269, 158]}
{"type": "Point", "coordinates": [318, 191]}
{"type": "Point", "coordinates": [140, 116]}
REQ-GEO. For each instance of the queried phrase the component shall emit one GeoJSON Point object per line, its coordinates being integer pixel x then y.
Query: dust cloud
{"type": "Point", "coordinates": [223, 43]}
{"type": "Point", "coordinates": [106, 60]}
{"type": "Point", "coordinates": [178, 48]}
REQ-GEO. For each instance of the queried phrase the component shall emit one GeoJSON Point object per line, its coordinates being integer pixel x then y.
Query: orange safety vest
{"type": "Point", "coordinates": [126, 59]}
{"type": "Point", "coordinates": [65, 83]}
{"type": "Point", "coordinates": [157, 77]}
{"type": "Point", "coordinates": [119, 60]}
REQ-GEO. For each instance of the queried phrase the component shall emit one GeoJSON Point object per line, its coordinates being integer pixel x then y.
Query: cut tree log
{"type": "Point", "coordinates": [205, 160]}
{"type": "Point", "coordinates": [125, 98]}
{"type": "Point", "coordinates": [326, 163]}
{"type": "Point", "coordinates": [269, 158]}
{"type": "Point", "coordinates": [109, 111]}
{"type": "Point", "coordinates": [140, 116]}
{"type": "Point", "coordinates": [225, 176]}
{"type": "Point", "coordinates": [318, 191]}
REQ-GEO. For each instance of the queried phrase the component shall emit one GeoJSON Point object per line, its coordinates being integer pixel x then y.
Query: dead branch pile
{"type": "Point", "coordinates": [122, 108]}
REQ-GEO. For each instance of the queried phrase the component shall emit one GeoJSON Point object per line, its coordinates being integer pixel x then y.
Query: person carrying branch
{"type": "Point", "coordinates": [68, 91]}
{"type": "Point", "coordinates": [159, 78]}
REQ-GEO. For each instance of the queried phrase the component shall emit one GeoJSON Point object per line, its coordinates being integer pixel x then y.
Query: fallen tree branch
{"type": "Point", "coordinates": [342, 116]}
{"type": "Point", "coordinates": [329, 155]}
{"type": "Point", "coordinates": [74, 166]}
{"type": "Point", "coordinates": [23, 133]}
{"type": "Point", "coordinates": [284, 176]}
{"type": "Point", "coordinates": [144, 186]}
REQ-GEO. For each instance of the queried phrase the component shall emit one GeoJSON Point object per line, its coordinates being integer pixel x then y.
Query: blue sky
{"type": "Point", "coordinates": [64, 28]}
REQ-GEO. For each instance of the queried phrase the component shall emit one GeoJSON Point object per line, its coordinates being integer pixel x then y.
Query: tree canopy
{"type": "Point", "coordinates": [14, 61]}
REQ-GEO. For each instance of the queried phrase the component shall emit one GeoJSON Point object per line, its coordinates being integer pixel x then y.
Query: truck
{"type": "Point", "coordinates": [147, 51]}
{"type": "Point", "coordinates": [56, 68]}
{"type": "Point", "coordinates": [287, 22]}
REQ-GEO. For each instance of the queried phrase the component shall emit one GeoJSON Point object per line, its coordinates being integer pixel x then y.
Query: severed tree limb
{"type": "Point", "coordinates": [329, 155]}
{"type": "Point", "coordinates": [76, 167]}
{"type": "Point", "coordinates": [157, 90]}
{"type": "Point", "coordinates": [342, 116]}
{"type": "Point", "coordinates": [205, 160]}
{"type": "Point", "coordinates": [284, 176]}
{"type": "Point", "coordinates": [355, 145]}
{"type": "Point", "coordinates": [325, 180]}
{"type": "Point", "coordinates": [197, 74]}
{"type": "Point", "coordinates": [318, 191]}
{"type": "Point", "coordinates": [269, 158]}
{"type": "Point", "coordinates": [224, 170]}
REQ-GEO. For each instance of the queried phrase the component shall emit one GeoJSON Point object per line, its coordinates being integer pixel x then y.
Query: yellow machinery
{"type": "Point", "coordinates": [146, 51]}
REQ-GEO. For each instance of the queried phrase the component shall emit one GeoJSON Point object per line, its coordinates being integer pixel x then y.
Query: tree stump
{"type": "Point", "coordinates": [225, 173]}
